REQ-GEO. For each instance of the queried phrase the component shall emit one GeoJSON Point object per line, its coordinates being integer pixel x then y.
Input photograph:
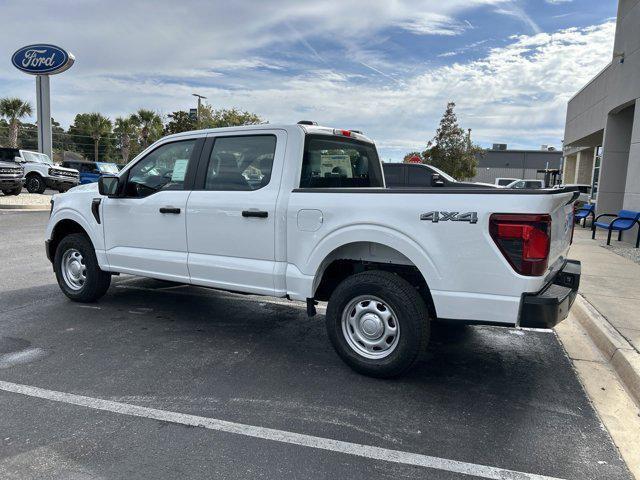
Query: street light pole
{"type": "Point", "coordinates": [200, 97]}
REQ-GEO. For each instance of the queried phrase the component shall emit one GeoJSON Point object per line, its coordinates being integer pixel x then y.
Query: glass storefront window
{"type": "Point", "coordinates": [596, 172]}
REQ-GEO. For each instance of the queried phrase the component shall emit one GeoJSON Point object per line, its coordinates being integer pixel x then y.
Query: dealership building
{"type": "Point", "coordinates": [602, 131]}
{"type": "Point", "coordinates": [502, 162]}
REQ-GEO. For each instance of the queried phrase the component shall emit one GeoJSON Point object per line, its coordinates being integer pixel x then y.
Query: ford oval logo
{"type": "Point", "coordinates": [42, 59]}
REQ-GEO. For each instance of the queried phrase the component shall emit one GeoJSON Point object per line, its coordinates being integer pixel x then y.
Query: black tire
{"type": "Point", "coordinates": [409, 309]}
{"type": "Point", "coordinates": [35, 184]}
{"type": "Point", "coordinates": [97, 281]}
{"type": "Point", "coordinates": [13, 191]}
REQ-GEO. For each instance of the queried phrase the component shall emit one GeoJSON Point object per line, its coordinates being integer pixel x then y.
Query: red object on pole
{"type": "Point", "coordinates": [414, 159]}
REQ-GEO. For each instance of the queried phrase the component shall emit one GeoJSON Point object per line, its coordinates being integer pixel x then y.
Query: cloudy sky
{"type": "Point", "coordinates": [387, 67]}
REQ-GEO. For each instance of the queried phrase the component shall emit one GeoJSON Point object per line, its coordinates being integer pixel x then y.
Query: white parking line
{"type": "Point", "coordinates": [348, 448]}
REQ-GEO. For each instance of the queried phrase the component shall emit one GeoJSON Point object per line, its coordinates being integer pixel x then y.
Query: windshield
{"type": "Point", "coordinates": [35, 157]}
{"type": "Point", "coordinates": [107, 167]}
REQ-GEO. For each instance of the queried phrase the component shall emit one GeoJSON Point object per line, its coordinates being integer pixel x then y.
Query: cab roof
{"type": "Point", "coordinates": [307, 129]}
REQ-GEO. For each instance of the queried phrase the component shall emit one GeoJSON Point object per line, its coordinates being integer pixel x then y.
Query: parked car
{"type": "Point", "coordinates": [90, 171]}
{"type": "Point", "coordinates": [11, 175]}
{"type": "Point", "coordinates": [527, 183]}
{"type": "Point", "coordinates": [503, 182]}
{"type": "Point", "coordinates": [417, 175]}
{"type": "Point", "coordinates": [320, 226]}
{"type": "Point", "coordinates": [40, 172]}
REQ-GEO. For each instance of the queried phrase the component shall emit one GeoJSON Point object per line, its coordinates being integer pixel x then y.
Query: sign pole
{"type": "Point", "coordinates": [45, 142]}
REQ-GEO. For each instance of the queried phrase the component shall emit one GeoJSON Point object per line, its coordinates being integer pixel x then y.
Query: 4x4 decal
{"type": "Point", "coordinates": [435, 217]}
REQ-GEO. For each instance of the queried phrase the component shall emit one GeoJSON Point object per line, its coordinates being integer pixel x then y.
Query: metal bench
{"type": "Point", "coordinates": [624, 220]}
{"type": "Point", "coordinates": [582, 213]}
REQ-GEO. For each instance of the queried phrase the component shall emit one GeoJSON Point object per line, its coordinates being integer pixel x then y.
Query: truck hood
{"type": "Point", "coordinates": [87, 187]}
{"type": "Point", "coordinates": [9, 165]}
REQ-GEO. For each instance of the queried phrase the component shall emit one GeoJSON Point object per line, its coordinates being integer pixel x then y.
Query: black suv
{"type": "Point", "coordinates": [11, 174]}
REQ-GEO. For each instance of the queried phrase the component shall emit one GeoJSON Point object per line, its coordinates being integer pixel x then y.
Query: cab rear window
{"type": "Point", "coordinates": [334, 162]}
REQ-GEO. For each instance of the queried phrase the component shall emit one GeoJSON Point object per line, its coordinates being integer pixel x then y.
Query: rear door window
{"type": "Point", "coordinates": [336, 162]}
{"type": "Point", "coordinates": [241, 163]}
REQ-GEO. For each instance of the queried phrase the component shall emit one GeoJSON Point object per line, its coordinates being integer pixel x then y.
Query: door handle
{"type": "Point", "coordinates": [255, 213]}
{"type": "Point", "coordinates": [169, 210]}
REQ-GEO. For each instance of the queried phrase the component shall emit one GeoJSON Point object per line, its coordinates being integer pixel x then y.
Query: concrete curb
{"type": "Point", "coordinates": [40, 208]}
{"type": "Point", "coordinates": [624, 359]}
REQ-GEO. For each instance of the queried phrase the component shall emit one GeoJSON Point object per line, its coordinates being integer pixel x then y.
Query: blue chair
{"type": "Point", "coordinates": [582, 213]}
{"type": "Point", "coordinates": [624, 220]}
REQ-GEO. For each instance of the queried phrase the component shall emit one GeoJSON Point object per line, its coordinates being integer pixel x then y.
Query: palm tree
{"type": "Point", "coordinates": [150, 125]}
{"type": "Point", "coordinates": [98, 126]}
{"type": "Point", "coordinates": [13, 109]}
{"type": "Point", "coordinates": [125, 129]}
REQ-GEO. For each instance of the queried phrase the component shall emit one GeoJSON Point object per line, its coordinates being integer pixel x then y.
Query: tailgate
{"type": "Point", "coordinates": [561, 212]}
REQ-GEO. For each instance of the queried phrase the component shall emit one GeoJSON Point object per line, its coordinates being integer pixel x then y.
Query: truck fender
{"type": "Point", "coordinates": [370, 233]}
{"type": "Point", "coordinates": [94, 232]}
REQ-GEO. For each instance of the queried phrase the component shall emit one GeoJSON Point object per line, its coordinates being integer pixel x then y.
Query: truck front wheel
{"type": "Point", "coordinates": [378, 323]}
{"type": "Point", "coordinates": [77, 270]}
{"type": "Point", "coordinates": [35, 184]}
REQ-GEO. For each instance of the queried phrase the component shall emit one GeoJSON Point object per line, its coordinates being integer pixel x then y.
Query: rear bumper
{"type": "Point", "coordinates": [551, 305]}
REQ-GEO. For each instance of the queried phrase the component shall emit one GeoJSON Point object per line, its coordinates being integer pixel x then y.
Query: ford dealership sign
{"type": "Point", "coordinates": [42, 59]}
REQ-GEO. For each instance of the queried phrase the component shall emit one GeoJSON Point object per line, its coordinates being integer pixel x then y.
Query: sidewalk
{"type": "Point", "coordinates": [26, 201]}
{"type": "Point", "coordinates": [602, 337]}
{"type": "Point", "coordinates": [609, 282]}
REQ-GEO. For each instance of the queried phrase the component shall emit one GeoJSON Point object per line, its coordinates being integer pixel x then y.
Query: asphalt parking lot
{"type": "Point", "coordinates": [165, 381]}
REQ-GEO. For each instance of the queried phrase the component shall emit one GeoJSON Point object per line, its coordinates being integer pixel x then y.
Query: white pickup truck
{"type": "Point", "coordinates": [301, 211]}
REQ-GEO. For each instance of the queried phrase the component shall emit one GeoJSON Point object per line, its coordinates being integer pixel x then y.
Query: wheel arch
{"type": "Point", "coordinates": [62, 228]}
{"type": "Point", "coordinates": [360, 255]}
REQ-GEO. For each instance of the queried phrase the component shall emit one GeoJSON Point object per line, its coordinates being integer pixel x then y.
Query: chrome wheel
{"type": "Point", "coordinates": [370, 327]}
{"type": "Point", "coordinates": [74, 271]}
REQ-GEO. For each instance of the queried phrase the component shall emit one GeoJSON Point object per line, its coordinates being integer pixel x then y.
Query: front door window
{"type": "Point", "coordinates": [163, 169]}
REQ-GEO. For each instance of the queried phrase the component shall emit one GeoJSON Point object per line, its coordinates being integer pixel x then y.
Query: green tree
{"type": "Point", "coordinates": [89, 129]}
{"type": "Point", "coordinates": [98, 126]}
{"type": "Point", "coordinates": [451, 150]}
{"type": "Point", "coordinates": [13, 109]}
{"type": "Point", "coordinates": [226, 117]}
{"type": "Point", "coordinates": [150, 126]}
{"type": "Point", "coordinates": [125, 128]}
{"type": "Point", "coordinates": [179, 121]}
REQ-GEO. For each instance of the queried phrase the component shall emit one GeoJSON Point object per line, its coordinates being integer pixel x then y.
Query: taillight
{"type": "Point", "coordinates": [524, 240]}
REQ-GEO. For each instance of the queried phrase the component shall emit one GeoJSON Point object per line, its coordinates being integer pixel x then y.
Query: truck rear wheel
{"type": "Point", "coordinates": [77, 270]}
{"type": "Point", "coordinates": [35, 184]}
{"type": "Point", "coordinates": [378, 323]}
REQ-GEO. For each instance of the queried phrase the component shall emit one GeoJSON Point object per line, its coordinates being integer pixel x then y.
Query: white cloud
{"type": "Point", "coordinates": [156, 57]}
{"type": "Point", "coordinates": [514, 10]}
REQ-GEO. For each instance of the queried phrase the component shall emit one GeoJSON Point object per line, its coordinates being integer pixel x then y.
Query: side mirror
{"type": "Point", "coordinates": [18, 159]}
{"type": "Point", "coordinates": [436, 180]}
{"type": "Point", "coordinates": [109, 185]}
